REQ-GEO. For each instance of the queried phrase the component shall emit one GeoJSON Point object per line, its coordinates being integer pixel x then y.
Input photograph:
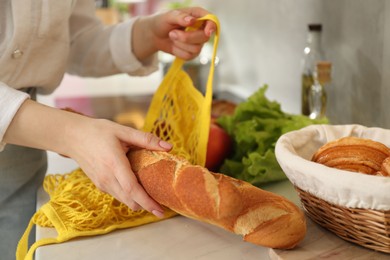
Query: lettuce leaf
{"type": "Point", "coordinates": [255, 127]}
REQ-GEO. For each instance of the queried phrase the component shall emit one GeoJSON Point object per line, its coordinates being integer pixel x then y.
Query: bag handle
{"type": "Point", "coordinates": [178, 62]}
{"type": "Point", "coordinates": [22, 251]}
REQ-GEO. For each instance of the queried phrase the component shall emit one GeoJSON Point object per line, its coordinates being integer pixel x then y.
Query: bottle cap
{"type": "Point", "coordinates": [315, 27]}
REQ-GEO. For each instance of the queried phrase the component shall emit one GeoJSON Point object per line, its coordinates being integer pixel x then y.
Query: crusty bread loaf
{"type": "Point", "coordinates": [261, 217]}
{"type": "Point", "coordinates": [220, 107]}
{"type": "Point", "coordinates": [355, 154]}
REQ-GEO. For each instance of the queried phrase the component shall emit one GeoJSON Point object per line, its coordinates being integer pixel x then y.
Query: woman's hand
{"type": "Point", "coordinates": [101, 154]}
{"type": "Point", "coordinates": [166, 32]}
{"type": "Point", "coordinates": [99, 147]}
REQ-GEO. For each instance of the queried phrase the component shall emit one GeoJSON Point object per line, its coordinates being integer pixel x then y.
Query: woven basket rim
{"type": "Point", "coordinates": [365, 227]}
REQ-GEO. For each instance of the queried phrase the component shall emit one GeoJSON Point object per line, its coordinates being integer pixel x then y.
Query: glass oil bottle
{"type": "Point", "coordinates": [317, 97]}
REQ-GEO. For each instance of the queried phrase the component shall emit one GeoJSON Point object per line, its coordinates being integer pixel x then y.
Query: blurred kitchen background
{"type": "Point", "coordinates": [262, 42]}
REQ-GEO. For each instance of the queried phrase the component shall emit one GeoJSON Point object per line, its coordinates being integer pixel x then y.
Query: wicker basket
{"type": "Point", "coordinates": [354, 206]}
{"type": "Point", "coordinates": [367, 228]}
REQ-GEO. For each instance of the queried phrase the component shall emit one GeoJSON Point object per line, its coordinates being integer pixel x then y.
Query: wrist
{"type": "Point", "coordinates": [42, 127]}
{"type": "Point", "coordinates": [142, 38]}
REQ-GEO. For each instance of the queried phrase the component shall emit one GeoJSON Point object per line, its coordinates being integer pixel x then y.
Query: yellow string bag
{"type": "Point", "coordinates": [77, 208]}
{"type": "Point", "coordinates": [179, 113]}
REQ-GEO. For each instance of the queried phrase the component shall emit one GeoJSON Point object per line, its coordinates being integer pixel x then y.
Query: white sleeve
{"type": "Point", "coordinates": [10, 102]}
{"type": "Point", "coordinates": [98, 50]}
{"type": "Point", "coordinates": [124, 59]}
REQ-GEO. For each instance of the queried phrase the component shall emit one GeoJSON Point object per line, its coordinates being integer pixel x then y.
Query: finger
{"type": "Point", "coordinates": [190, 48]}
{"type": "Point", "coordinates": [143, 139]}
{"type": "Point", "coordinates": [210, 28]}
{"type": "Point", "coordinates": [116, 190]}
{"type": "Point", "coordinates": [179, 18]}
{"type": "Point", "coordinates": [182, 54]}
{"type": "Point", "coordinates": [185, 51]}
{"type": "Point", "coordinates": [132, 204]}
{"type": "Point", "coordinates": [107, 183]}
{"type": "Point", "coordinates": [133, 191]}
{"type": "Point", "coordinates": [140, 196]}
{"type": "Point", "coordinates": [185, 17]}
{"type": "Point", "coordinates": [196, 12]}
{"type": "Point", "coordinates": [190, 37]}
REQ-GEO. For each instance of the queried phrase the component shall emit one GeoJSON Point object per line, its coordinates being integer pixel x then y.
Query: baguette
{"type": "Point", "coordinates": [261, 217]}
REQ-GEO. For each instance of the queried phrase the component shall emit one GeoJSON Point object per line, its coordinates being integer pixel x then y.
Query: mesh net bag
{"type": "Point", "coordinates": [178, 113]}
{"type": "Point", "coordinates": [76, 209]}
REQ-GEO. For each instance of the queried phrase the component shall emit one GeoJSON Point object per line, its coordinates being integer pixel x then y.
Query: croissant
{"type": "Point", "coordinates": [355, 154]}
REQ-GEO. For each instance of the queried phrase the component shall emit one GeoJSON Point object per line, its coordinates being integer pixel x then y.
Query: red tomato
{"type": "Point", "coordinates": [218, 147]}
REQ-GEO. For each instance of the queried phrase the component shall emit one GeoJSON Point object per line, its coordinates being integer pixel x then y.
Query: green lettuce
{"type": "Point", "coordinates": [255, 127]}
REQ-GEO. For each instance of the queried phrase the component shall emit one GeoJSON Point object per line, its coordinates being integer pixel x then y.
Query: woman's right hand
{"type": "Point", "coordinates": [99, 147]}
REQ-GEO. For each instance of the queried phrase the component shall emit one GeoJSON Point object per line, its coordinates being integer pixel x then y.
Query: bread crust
{"type": "Point", "coordinates": [261, 217]}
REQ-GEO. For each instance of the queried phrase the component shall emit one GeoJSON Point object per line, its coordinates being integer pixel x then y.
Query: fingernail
{"type": "Point", "coordinates": [158, 214]}
{"type": "Point", "coordinates": [173, 35]}
{"type": "Point", "coordinates": [188, 19]}
{"type": "Point", "coordinates": [211, 32]}
{"type": "Point", "coordinates": [165, 145]}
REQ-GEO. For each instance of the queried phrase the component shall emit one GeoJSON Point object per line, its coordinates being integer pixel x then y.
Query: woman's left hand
{"type": "Point", "coordinates": [166, 32]}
